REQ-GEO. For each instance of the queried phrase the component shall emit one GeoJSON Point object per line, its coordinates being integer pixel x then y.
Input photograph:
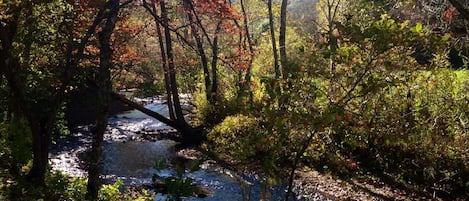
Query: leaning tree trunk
{"type": "Point", "coordinates": [103, 81]}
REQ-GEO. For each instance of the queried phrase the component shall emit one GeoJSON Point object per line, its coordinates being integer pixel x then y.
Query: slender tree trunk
{"type": "Point", "coordinates": [103, 80]}
{"type": "Point", "coordinates": [332, 8]}
{"type": "Point", "coordinates": [166, 71]}
{"type": "Point", "coordinates": [213, 92]}
{"type": "Point", "coordinates": [190, 136]}
{"type": "Point", "coordinates": [201, 51]}
{"type": "Point", "coordinates": [169, 97]}
{"type": "Point", "coordinates": [247, 77]}
{"type": "Point", "coordinates": [248, 37]}
{"type": "Point", "coordinates": [172, 71]}
{"type": "Point", "coordinates": [296, 161]}
{"type": "Point", "coordinates": [282, 39]}
{"type": "Point", "coordinates": [330, 34]}
{"type": "Point", "coordinates": [274, 40]}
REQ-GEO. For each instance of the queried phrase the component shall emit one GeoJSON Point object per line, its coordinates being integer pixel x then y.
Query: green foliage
{"type": "Point", "coordinates": [210, 114]}
{"type": "Point", "coordinates": [110, 192]}
{"type": "Point", "coordinates": [61, 125]}
{"type": "Point", "coordinates": [76, 189]}
{"type": "Point", "coordinates": [240, 136]}
{"type": "Point", "coordinates": [15, 139]}
{"type": "Point", "coordinates": [380, 110]}
{"type": "Point", "coordinates": [149, 89]}
{"type": "Point", "coordinates": [61, 187]}
{"type": "Point", "coordinates": [179, 185]}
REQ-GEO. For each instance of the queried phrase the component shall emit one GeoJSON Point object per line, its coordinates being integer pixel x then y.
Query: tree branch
{"type": "Point", "coordinates": [144, 110]}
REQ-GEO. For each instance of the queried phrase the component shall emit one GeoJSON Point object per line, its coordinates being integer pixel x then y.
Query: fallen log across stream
{"type": "Point", "coordinates": [190, 136]}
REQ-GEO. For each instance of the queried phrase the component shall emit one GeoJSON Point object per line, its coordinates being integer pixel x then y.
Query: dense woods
{"type": "Point", "coordinates": [355, 89]}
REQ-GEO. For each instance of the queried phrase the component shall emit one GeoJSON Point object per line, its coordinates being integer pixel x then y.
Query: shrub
{"type": "Point", "coordinates": [240, 137]}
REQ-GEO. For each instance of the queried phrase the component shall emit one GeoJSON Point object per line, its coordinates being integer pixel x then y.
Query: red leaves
{"type": "Point", "coordinates": [240, 59]}
{"type": "Point", "coordinates": [450, 14]}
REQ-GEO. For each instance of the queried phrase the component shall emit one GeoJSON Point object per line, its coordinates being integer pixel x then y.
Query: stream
{"type": "Point", "coordinates": [129, 155]}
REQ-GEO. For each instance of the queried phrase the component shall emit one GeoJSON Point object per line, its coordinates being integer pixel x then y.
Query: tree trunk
{"type": "Point", "coordinates": [213, 92]}
{"type": "Point", "coordinates": [41, 129]}
{"type": "Point", "coordinates": [332, 8]}
{"type": "Point", "coordinates": [274, 41]}
{"type": "Point", "coordinates": [248, 37]}
{"type": "Point", "coordinates": [190, 136]}
{"type": "Point", "coordinates": [40, 160]}
{"type": "Point", "coordinates": [201, 53]}
{"type": "Point", "coordinates": [103, 81]}
{"type": "Point", "coordinates": [172, 71]}
{"type": "Point", "coordinates": [247, 77]}
{"type": "Point", "coordinates": [282, 39]}
{"type": "Point", "coordinates": [164, 60]}
{"type": "Point", "coordinates": [41, 139]}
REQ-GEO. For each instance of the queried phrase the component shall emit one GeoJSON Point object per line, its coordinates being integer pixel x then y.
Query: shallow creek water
{"type": "Point", "coordinates": [129, 158]}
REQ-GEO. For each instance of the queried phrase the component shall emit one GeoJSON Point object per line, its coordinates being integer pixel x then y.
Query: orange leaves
{"type": "Point", "coordinates": [215, 8]}
{"type": "Point", "coordinates": [126, 56]}
{"type": "Point", "coordinates": [126, 27]}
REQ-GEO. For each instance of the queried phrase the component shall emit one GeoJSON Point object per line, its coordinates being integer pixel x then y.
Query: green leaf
{"type": "Point", "coordinates": [417, 28]}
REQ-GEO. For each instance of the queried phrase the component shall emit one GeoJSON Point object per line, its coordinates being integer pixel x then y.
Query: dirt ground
{"type": "Point", "coordinates": [309, 182]}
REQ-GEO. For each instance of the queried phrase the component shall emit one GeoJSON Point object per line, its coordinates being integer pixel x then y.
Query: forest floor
{"type": "Point", "coordinates": [309, 181]}
{"type": "Point", "coordinates": [311, 185]}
